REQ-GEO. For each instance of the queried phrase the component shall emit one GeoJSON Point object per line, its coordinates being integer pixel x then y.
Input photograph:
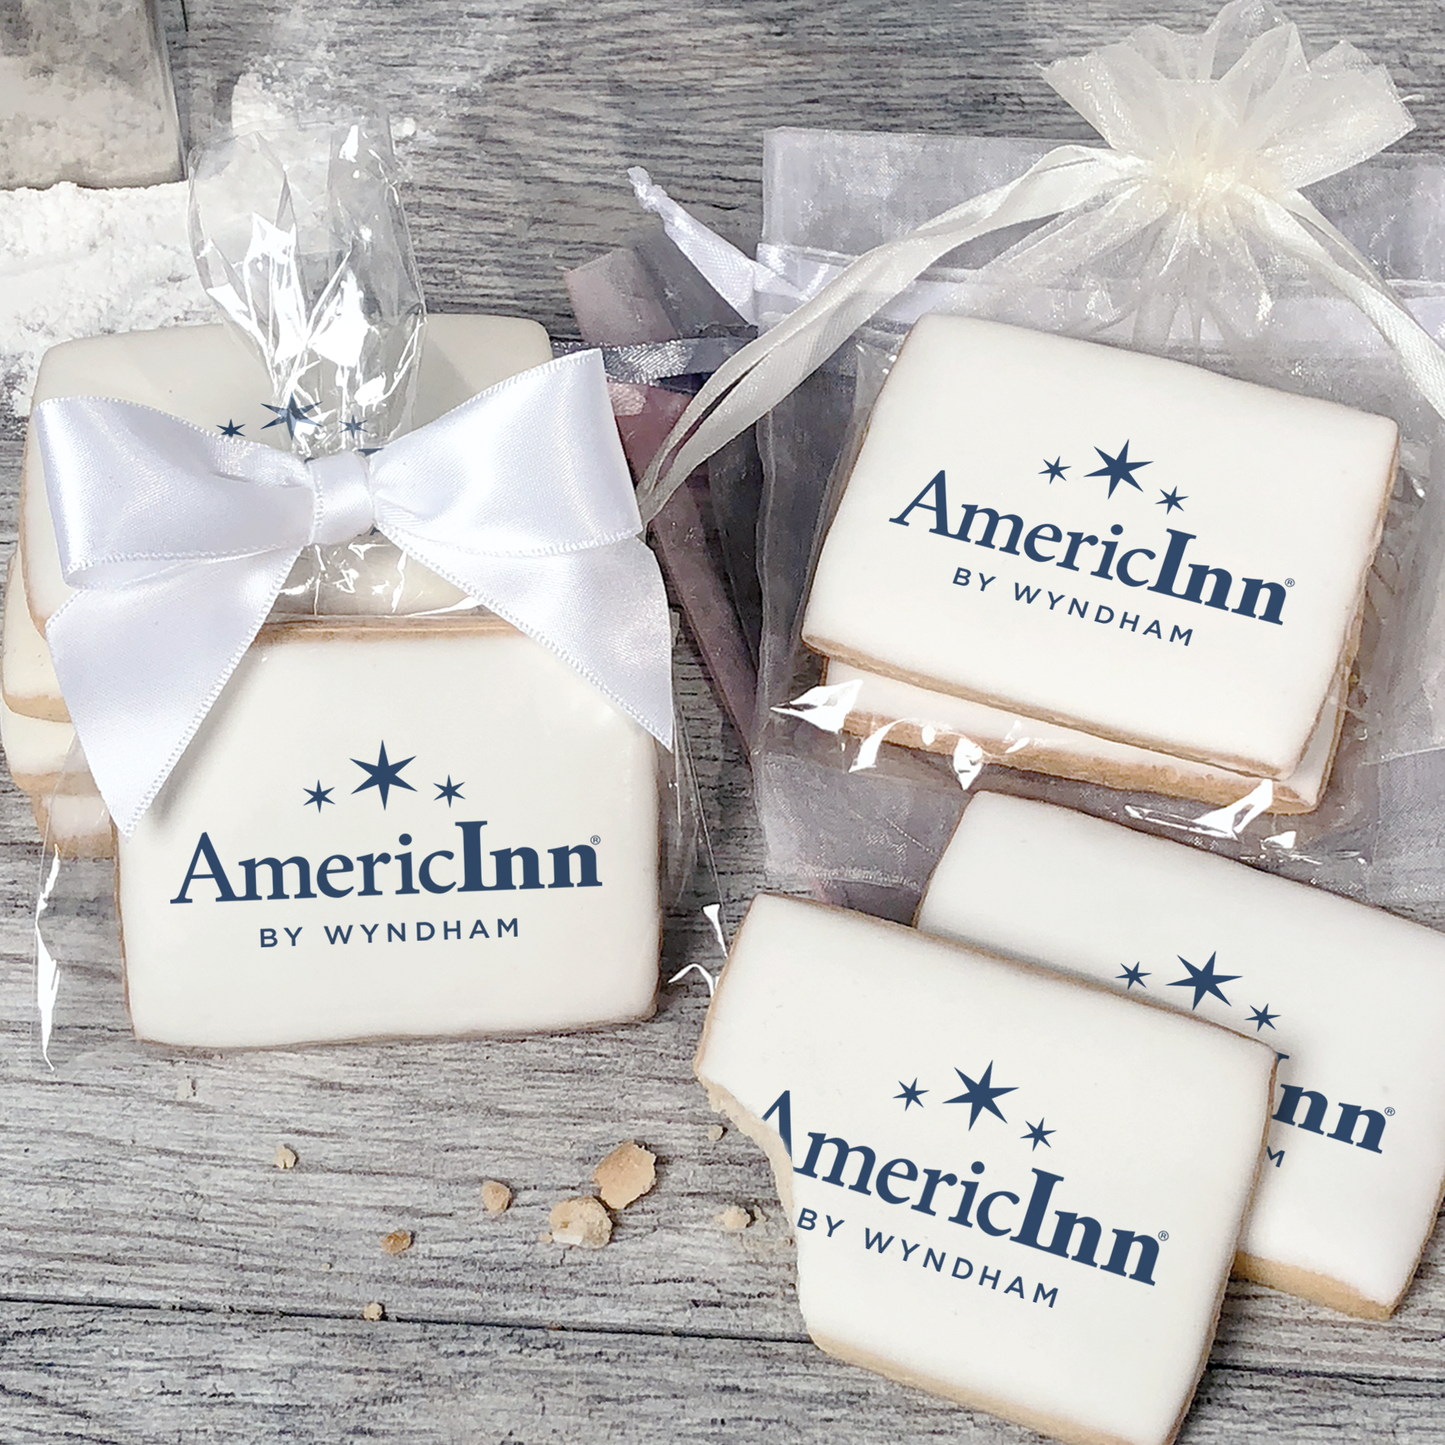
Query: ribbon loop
{"type": "Point", "coordinates": [344, 507]}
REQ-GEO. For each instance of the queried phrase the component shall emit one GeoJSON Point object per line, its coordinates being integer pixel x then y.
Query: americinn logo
{"type": "Point", "coordinates": [1167, 567]}
{"type": "Point", "coordinates": [1022, 1205]}
{"type": "Point", "coordinates": [455, 860]}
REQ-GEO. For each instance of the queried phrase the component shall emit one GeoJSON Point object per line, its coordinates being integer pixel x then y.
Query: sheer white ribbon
{"type": "Point", "coordinates": [1210, 138]}
{"type": "Point", "coordinates": [179, 540]}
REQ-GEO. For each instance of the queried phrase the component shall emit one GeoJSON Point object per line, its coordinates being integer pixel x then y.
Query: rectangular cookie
{"type": "Point", "coordinates": [1352, 999]}
{"type": "Point", "coordinates": [396, 829]}
{"type": "Point", "coordinates": [935, 722]}
{"type": "Point", "coordinates": [1105, 540]}
{"type": "Point", "coordinates": [983, 1163]}
{"type": "Point", "coordinates": [39, 754]}
{"type": "Point", "coordinates": [205, 375]}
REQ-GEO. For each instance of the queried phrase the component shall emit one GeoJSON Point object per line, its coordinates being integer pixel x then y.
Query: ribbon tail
{"type": "Point", "coordinates": [141, 666]}
{"type": "Point", "coordinates": [749, 384]}
{"type": "Point", "coordinates": [602, 610]}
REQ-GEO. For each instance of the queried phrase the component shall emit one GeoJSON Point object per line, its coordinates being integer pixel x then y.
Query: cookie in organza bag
{"type": "Point", "coordinates": [349, 613]}
{"type": "Point", "coordinates": [1092, 469]}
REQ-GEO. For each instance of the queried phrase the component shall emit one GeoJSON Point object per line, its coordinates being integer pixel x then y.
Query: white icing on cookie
{"type": "Point", "coordinates": [205, 375]}
{"type": "Point", "coordinates": [936, 721]}
{"type": "Point", "coordinates": [1107, 540]}
{"type": "Point", "coordinates": [1036, 1188]}
{"type": "Point", "coordinates": [1353, 999]}
{"type": "Point", "coordinates": [396, 829]}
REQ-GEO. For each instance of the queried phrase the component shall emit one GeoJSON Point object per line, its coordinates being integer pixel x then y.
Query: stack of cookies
{"type": "Point", "coordinates": [389, 824]}
{"type": "Point", "coordinates": [1102, 565]}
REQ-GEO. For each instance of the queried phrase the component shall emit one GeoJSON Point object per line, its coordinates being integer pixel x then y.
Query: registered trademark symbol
{"type": "Point", "coordinates": [1163, 1234]}
{"type": "Point", "coordinates": [1389, 1109]}
{"type": "Point", "coordinates": [595, 838]}
{"type": "Point", "coordinates": [1289, 581]}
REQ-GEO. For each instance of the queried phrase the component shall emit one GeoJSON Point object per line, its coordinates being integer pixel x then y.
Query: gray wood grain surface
{"type": "Point", "coordinates": [160, 1280]}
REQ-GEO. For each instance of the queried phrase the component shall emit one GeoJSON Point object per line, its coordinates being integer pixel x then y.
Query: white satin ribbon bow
{"type": "Point", "coordinates": [1209, 139]}
{"type": "Point", "coordinates": [179, 540]}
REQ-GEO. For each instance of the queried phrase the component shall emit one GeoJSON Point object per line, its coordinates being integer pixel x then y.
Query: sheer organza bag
{"type": "Point", "coordinates": [1239, 219]}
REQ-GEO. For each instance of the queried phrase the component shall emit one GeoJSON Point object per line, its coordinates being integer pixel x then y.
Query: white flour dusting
{"type": "Point", "coordinates": [84, 95]}
{"type": "Point", "coordinates": [77, 262]}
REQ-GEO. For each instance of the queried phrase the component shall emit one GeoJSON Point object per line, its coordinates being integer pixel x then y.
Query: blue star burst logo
{"type": "Point", "coordinates": [1054, 470]}
{"type": "Point", "coordinates": [1039, 1135]}
{"type": "Point", "coordinates": [1204, 981]}
{"type": "Point", "coordinates": [911, 1094]}
{"type": "Point", "coordinates": [1134, 975]}
{"type": "Point", "coordinates": [353, 428]}
{"type": "Point", "coordinates": [318, 795]}
{"type": "Point", "coordinates": [980, 1095]}
{"type": "Point", "coordinates": [293, 414]}
{"type": "Point", "coordinates": [1119, 469]}
{"type": "Point", "coordinates": [384, 775]}
{"type": "Point", "coordinates": [447, 790]}
{"type": "Point", "coordinates": [1171, 501]}
{"type": "Point", "coordinates": [230, 428]}
{"type": "Point", "coordinates": [1261, 1017]}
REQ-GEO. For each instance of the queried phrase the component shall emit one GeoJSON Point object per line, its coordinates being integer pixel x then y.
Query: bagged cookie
{"type": "Point", "coordinates": [351, 632]}
{"type": "Point", "coordinates": [1081, 457]}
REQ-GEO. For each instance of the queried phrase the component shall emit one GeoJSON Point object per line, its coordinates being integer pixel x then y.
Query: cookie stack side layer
{"type": "Point", "coordinates": [937, 722]}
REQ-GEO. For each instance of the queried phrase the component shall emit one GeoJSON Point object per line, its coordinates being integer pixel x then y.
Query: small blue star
{"type": "Point", "coordinates": [1134, 975]}
{"type": "Point", "coordinates": [980, 1095]}
{"type": "Point", "coordinates": [447, 790]}
{"type": "Point", "coordinates": [1039, 1135]}
{"type": "Point", "coordinates": [353, 427]}
{"type": "Point", "coordinates": [230, 428]}
{"type": "Point", "coordinates": [318, 795]}
{"type": "Point", "coordinates": [293, 414]}
{"type": "Point", "coordinates": [1171, 501]}
{"type": "Point", "coordinates": [911, 1094]}
{"type": "Point", "coordinates": [385, 775]}
{"type": "Point", "coordinates": [1259, 1017]}
{"type": "Point", "coordinates": [1204, 981]}
{"type": "Point", "coordinates": [1119, 469]}
{"type": "Point", "coordinates": [1054, 471]}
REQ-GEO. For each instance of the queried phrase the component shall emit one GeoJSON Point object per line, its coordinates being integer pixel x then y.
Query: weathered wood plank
{"type": "Point", "coordinates": [108, 1376]}
{"type": "Point", "coordinates": [527, 115]}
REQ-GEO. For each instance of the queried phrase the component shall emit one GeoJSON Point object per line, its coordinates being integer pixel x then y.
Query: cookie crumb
{"type": "Point", "coordinates": [285, 1157]}
{"type": "Point", "coordinates": [625, 1175]}
{"type": "Point", "coordinates": [544, 1238]}
{"type": "Point", "coordinates": [373, 1312]}
{"type": "Point", "coordinates": [186, 1089]}
{"type": "Point", "coordinates": [715, 1133]}
{"type": "Point", "coordinates": [496, 1197]}
{"type": "Point", "coordinates": [734, 1219]}
{"type": "Point", "coordinates": [580, 1221]}
{"type": "Point", "coordinates": [397, 1242]}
